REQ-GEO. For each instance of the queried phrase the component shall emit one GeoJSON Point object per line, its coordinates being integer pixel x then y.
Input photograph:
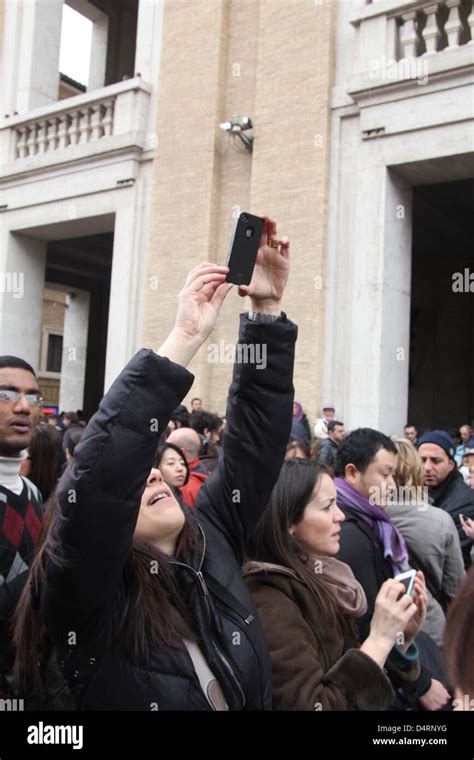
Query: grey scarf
{"type": "Point", "coordinates": [347, 590]}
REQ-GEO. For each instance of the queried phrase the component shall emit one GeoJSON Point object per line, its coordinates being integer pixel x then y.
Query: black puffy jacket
{"type": "Point", "coordinates": [456, 498]}
{"type": "Point", "coordinates": [100, 499]}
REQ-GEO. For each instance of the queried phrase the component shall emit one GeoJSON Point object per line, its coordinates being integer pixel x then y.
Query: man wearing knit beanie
{"type": "Point", "coordinates": [446, 486]}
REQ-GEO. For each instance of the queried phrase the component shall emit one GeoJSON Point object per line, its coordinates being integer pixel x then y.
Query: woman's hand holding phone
{"type": "Point", "coordinates": [421, 600]}
{"type": "Point", "coordinates": [392, 612]}
{"type": "Point", "coordinates": [270, 274]}
{"type": "Point", "coordinates": [205, 289]}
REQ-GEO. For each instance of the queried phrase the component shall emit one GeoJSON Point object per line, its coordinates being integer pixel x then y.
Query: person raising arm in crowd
{"type": "Point", "coordinates": [142, 599]}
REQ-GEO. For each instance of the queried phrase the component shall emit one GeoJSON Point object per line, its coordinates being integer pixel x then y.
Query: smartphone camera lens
{"type": "Point", "coordinates": [244, 217]}
{"type": "Point", "coordinates": [249, 232]}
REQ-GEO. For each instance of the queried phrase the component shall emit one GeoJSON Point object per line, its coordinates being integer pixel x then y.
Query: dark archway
{"type": "Point", "coordinates": [441, 378]}
{"type": "Point", "coordinates": [86, 263]}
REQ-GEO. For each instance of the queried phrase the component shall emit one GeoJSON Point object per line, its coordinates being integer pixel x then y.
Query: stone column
{"type": "Point", "coordinates": [73, 367]}
{"type": "Point", "coordinates": [21, 296]}
{"type": "Point", "coordinates": [32, 35]}
{"type": "Point", "coordinates": [122, 285]}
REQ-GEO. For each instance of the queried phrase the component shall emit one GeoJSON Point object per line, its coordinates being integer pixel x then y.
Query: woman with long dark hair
{"type": "Point", "coordinates": [41, 464]}
{"type": "Point", "coordinates": [142, 600]}
{"type": "Point", "coordinates": [298, 449]}
{"type": "Point", "coordinates": [308, 602]}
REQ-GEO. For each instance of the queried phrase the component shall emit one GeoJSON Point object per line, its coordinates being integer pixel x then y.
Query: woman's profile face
{"type": "Point", "coordinates": [172, 468]}
{"type": "Point", "coordinates": [319, 530]}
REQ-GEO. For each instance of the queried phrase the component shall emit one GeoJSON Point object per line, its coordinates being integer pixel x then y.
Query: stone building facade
{"type": "Point", "coordinates": [362, 149]}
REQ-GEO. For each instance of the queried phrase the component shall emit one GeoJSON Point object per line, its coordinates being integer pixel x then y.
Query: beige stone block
{"type": "Point", "coordinates": [273, 61]}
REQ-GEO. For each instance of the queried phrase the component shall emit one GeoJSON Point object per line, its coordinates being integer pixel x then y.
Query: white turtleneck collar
{"type": "Point", "coordinates": [10, 472]}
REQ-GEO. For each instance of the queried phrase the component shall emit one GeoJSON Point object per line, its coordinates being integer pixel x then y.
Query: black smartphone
{"type": "Point", "coordinates": [243, 248]}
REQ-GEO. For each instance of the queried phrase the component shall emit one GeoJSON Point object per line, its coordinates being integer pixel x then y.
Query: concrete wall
{"type": "Point", "coordinates": [386, 138]}
{"type": "Point", "coordinates": [2, 24]}
{"type": "Point", "coordinates": [30, 65]}
{"type": "Point", "coordinates": [22, 261]}
{"type": "Point", "coordinates": [77, 190]}
{"type": "Point", "coordinates": [73, 367]}
{"type": "Point", "coordinates": [54, 307]}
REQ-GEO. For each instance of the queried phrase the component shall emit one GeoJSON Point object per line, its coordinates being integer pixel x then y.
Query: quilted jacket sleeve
{"type": "Point", "coordinates": [259, 414]}
{"type": "Point", "coordinates": [99, 495]}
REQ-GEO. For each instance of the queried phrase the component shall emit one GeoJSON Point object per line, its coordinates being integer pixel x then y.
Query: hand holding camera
{"type": "Point", "coordinates": [420, 599]}
{"type": "Point", "coordinates": [259, 262]}
{"type": "Point", "coordinates": [395, 613]}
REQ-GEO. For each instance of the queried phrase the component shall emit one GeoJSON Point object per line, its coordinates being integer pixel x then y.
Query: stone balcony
{"type": "Point", "coordinates": [403, 41]}
{"type": "Point", "coordinates": [100, 122]}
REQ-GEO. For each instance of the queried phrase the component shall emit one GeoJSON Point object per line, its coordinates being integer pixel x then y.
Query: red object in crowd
{"type": "Point", "coordinates": [193, 486]}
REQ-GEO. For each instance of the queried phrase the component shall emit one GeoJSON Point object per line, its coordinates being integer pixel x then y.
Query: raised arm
{"type": "Point", "coordinates": [100, 494]}
{"type": "Point", "coordinates": [259, 409]}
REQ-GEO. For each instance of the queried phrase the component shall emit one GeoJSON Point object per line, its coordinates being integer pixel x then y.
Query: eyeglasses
{"type": "Point", "coordinates": [32, 399]}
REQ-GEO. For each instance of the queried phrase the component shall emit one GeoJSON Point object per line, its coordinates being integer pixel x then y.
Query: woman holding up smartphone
{"type": "Point", "coordinates": [308, 602]}
{"type": "Point", "coordinates": [143, 601]}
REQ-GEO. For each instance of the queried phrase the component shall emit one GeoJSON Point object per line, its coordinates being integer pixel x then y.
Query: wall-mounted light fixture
{"type": "Point", "coordinates": [236, 126]}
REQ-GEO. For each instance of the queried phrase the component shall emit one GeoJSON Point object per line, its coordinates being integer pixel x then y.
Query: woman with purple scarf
{"type": "Point", "coordinates": [375, 550]}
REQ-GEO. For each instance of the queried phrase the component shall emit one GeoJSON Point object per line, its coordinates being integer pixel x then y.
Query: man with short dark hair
{"type": "Point", "coordinates": [180, 417]}
{"type": "Point", "coordinates": [446, 486]}
{"type": "Point", "coordinates": [196, 405]}
{"type": "Point", "coordinates": [210, 427]}
{"type": "Point", "coordinates": [411, 433]}
{"type": "Point", "coordinates": [375, 550]}
{"type": "Point", "coordinates": [328, 449]}
{"type": "Point", "coordinates": [21, 510]}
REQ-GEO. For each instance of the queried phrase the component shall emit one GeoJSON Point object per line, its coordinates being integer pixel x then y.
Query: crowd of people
{"type": "Point", "coordinates": [240, 561]}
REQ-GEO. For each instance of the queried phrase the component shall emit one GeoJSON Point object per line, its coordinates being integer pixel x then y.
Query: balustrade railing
{"type": "Point", "coordinates": [74, 127]}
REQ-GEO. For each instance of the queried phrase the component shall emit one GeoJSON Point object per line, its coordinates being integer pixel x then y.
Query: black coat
{"type": "Point", "coordinates": [100, 498]}
{"type": "Point", "coordinates": [363, 551]}
{"type": "Point", "coordinates": [456, 498]}
{"type": "Point", "coordinates": [328, 453]}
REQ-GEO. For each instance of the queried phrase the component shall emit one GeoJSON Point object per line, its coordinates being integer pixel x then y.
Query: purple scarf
{"type": "Point", "coordinates": [394, 547]}
{"type": "Point", "coordinates": [298, 415]}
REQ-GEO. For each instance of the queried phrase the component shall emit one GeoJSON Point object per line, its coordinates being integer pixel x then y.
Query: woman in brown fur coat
{"type": "Point", "coordinates": [307, 602]}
